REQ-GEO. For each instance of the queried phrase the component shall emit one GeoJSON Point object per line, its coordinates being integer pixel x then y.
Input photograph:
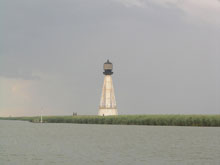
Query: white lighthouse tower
{"type": "Point", "coordinates": [107, 105]}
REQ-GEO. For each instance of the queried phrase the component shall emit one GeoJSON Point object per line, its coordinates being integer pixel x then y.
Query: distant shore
{"type": "Point", "coordinates": [162, 120]}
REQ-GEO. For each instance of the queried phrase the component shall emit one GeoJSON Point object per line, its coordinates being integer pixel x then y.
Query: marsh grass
{"type": "Point", "coordinates": [163, 120]}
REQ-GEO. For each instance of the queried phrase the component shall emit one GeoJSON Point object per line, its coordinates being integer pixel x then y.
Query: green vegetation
{"type": "Point", "coordinates": [168, 120]}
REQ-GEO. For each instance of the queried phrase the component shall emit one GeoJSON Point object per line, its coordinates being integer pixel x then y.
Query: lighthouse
{"type": "Point", "coordinates": [107, 105]}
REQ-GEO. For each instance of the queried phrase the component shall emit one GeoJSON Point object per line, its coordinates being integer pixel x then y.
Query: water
{"type": "Point", "coordinates": [25, 143]}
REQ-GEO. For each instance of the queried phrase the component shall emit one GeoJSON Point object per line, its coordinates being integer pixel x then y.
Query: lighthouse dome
{"type": "Point", "coordinates": [108, 65]}
{"type": "Point", "coordinates": [108, 68]}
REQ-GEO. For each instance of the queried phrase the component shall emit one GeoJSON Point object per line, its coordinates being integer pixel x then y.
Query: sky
{"type": "Point", "coordinates": [165, 55]}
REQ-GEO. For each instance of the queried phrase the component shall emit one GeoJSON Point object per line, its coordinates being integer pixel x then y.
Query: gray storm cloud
{"type": "Point", "coordinates": [165, 56]}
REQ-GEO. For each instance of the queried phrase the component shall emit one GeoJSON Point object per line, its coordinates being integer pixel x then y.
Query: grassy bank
{"type": "Point", "coordinates": [168, 120]}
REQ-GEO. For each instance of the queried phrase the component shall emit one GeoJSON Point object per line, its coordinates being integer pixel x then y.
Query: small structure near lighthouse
{"type": "Point", "coordinates": [107, 105]}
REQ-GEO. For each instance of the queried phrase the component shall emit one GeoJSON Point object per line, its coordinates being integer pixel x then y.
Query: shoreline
{"type": "Point", "coordinates": [157, 120]}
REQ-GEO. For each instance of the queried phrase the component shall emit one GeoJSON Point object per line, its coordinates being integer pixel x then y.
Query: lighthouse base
{"type": "Point", "coordinates": [107, 112]}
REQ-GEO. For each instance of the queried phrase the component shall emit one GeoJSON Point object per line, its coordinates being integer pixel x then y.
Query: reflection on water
{"type": "Point", "coordinates": [30, 143]}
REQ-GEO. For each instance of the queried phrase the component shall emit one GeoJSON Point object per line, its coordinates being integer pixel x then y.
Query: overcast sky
{"type": "Point", "coordinates": [165, 54]}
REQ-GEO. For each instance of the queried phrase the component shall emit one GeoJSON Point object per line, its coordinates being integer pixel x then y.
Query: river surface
{"type": "Point", "coordinates": [25, 143]}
